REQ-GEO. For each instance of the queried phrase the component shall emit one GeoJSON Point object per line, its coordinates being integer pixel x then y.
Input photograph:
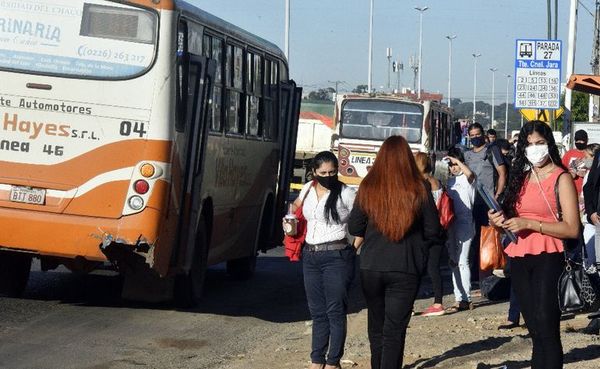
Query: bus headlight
{"type": "Point", "coordinates": [136, 202]}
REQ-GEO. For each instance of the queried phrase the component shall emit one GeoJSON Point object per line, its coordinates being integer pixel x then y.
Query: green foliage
{"type": "Point", "coordinates": [360, 89]}
{"type": "Point", "coordinates": [323, 94]}
{"type": "Point", "coordinates": [579, 106]}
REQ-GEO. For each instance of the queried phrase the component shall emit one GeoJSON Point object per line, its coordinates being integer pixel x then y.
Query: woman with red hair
{"type": "Point", "coordinates": [396, 214]}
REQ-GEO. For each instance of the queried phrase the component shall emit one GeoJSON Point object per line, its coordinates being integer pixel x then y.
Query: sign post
{"type": "Point", "coordinates": [537, 74]}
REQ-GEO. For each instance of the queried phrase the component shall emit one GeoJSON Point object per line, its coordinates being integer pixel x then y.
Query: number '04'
{"type": "Point", "coordinates": [128, 128]}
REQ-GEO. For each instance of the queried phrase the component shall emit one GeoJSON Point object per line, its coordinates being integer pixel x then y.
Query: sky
{"type": "Point", "coordinates": [329, 39]}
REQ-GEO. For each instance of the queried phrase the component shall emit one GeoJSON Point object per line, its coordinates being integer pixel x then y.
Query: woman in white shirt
{"type": "Point", "coordinates": [327, 258]}
{"type": "Point", "coordinates": [462, 229]}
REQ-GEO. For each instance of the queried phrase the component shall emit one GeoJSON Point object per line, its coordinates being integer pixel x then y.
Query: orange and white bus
{"type": "Point", "coordinates": [147, 133]}
{"type": "Point", "coordinates": [364, 121]}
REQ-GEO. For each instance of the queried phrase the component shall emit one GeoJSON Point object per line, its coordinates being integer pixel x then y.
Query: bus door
{"type": "Point", "coordinates": [291, 96]}
{"type": "Point", "coordinates": [201, 72]}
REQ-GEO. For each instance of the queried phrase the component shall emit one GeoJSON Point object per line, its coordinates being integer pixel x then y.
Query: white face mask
{"type": "Point", "coordinates": [537, 154]}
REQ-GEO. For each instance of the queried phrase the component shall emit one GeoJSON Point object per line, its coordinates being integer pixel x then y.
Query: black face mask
{"type": "Point", "coordinates": [580, 145]}
{"type": "Point", "coordinates": [478, 141]}
{"type": "Point", "coordinates": [327, 181]}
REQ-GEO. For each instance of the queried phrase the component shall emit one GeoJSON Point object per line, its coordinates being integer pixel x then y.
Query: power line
{"type": "Point", "coordinates": [585, 7]}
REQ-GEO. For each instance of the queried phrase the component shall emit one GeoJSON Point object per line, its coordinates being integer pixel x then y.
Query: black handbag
{"type": "Point", "coordinates": [570, 286]}
{"type": "Point", "coordinates": [571, 280]}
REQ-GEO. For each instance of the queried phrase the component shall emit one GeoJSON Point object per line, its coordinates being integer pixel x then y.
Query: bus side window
{"type": "Point", "coordinates": [181, 77]}
{"type": "Point", "coordinates": [271, 105]}
{"type": "Point", "coordinates": [217, 99]}
{"type": "Point", "coordinates": [253, 89]}
{"type": "Point", "coordinates": [234, 101]}
{"type": "Point", "coordinates": [278, 103]}
{"type": "Point", "coordinates": [267, 105]}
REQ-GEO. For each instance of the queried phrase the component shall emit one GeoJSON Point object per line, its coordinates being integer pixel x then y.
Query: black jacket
{"type": "Point", "coordinates": [409, 255]}
{"type": "Point", "coordinates": [591, 190]}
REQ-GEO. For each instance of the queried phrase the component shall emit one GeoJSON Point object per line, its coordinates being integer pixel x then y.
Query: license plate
{"type": "Point", "coordinates": [28, 195]}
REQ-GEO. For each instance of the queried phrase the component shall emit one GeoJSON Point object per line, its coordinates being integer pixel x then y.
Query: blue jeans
{"type": "Point", "coordinates": [327, 278]}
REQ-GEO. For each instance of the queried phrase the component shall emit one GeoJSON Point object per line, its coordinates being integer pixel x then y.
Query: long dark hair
{"type": "Point", "coordinates": [393, 191]}
{"type": "Point", "coordinates": [521, 167]}
{"type": "Point", "coordinates": [335, 189]}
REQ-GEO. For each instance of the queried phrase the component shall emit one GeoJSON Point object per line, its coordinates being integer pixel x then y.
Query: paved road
{"type": "Point", "coordinates": [78, 321]}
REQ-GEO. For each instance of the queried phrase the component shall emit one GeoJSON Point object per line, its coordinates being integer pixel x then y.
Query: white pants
{"type": "Point", "coordinates": [589, 236]}
{"type": "Point", "coordinates": [460, 236]}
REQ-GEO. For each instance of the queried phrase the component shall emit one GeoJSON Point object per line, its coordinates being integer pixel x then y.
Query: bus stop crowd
{"type": "Point", "coordinates": [392, 222]}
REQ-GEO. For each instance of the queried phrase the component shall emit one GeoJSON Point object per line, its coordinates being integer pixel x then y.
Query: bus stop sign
{"type": "Point", "coordinates": [537, 74]}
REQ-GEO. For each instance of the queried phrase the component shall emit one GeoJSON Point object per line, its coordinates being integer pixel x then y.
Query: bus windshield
{"type": "Point", "coordinates": [377, 120]}
{"type": "Point", "coordinates": [83, 38]}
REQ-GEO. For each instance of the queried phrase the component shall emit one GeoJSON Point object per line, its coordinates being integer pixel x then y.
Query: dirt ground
{"type": "Point", "coordinates": [468, 339]}
{"type": "Point", "coordinates": [66, 321]}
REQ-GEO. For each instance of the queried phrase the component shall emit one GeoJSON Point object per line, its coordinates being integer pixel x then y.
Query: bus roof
{"type": "Point", "coordinates": [225, 27]}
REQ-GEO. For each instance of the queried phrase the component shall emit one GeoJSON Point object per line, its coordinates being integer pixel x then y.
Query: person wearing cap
{"type": "Point", "coordinates": [574, 159]}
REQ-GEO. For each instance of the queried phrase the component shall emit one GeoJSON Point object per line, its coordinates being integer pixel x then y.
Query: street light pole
{"type": "Point", "coordinates": [370, 79]}
{"type": "Point", "coordinates": [421, 10]}
{"type": "Point", "coordinates": [287, 30]}
{"type": "Point", "coordinates": [450, 38]}
{"type": "Point", "coordinates": [493, 92]}
{"type": "Point", "coordinates": [475, 56]}
{"type": "Point", "coordinates": [506, 112]}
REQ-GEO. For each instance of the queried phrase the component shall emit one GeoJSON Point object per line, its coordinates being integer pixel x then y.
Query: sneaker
{"type": "Point", "coordinates": [460, 306]}
{"type": "Point", "coordinates": [595, 314]}
{"type": "Point", "coordinates": [499, 273]}
{"type": "Point", "coordinates": [433, 311]}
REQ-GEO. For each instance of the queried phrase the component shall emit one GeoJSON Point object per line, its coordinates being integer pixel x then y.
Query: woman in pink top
{"type": "Point", "coordinates": [537, 260]}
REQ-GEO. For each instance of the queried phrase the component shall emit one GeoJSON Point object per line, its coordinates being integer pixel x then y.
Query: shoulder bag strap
{"type": "Point", "coordinates": [559, 211]}
{"type": "Point", "coordinates": [306, 194]}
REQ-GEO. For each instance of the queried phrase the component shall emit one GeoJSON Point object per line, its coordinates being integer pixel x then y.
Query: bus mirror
{"type": "Point", "coordinates": [334, 137]}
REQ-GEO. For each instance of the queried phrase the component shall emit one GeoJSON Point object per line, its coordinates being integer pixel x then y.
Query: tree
{"type": "Point", "coordinates": [322, 94]}
{"type": "Point", "coordinates": [579, 107]}
{"type": "Point", "coordinates": [360, 89]}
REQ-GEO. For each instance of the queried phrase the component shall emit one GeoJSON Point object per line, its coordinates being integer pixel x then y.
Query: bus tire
{"type": "Point", "coordinates": [14, 273]}
{"type": "Point", "coordinates": [189, 286]}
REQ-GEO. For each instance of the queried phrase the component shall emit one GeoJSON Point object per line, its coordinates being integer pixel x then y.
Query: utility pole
{"type": "Point", "coordinates": [595, 63]}
{"type": "Point", "coordinates": [450, 38]}
{"type": "Point", "coordinates": [493, 70]}
{"type": "Point", "coordinates": [388, 53]}
{"type": "Point", "coordinates": [287, 30]}
{"type": "Point", "coordinates": [414, 65]}
{"type": "Point", "coordinates": [370, 79]}
{"type": "Point", "coordinates": [552, 120]}
{"type": "Point", "coordinates": [570, 62]}
{"type": "Point", "coordinates": [506, 112]}
{"type": "Point", "coordinates": [336, 87]}
{"type": "Point", "coordinates": [421, 10]}
{"type": "Point", "coordinates": [475, 56]}
{"type": "Point", "coordinates": [399, 69]}
{"type": "Point", "coordinates": [556, 19]}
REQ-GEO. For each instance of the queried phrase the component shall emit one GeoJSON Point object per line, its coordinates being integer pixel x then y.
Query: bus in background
{"type": "Point", "coordinates": [146, 133]}
{"type": "Point", "coordinates": [363, 122]}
